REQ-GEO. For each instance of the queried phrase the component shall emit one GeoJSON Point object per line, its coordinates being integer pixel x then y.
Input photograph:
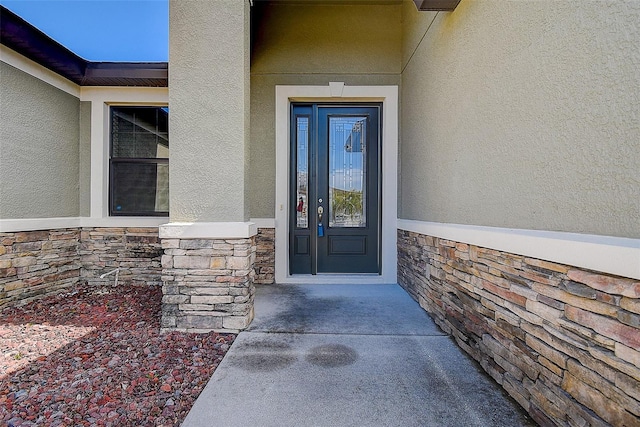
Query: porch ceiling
{"type": "Point", "coordinates": [258, 7]}
{"type": "Point", "coordinates": [332, 2]}
{"type": "Point", "coordinates": [436, 5]}
{"type": "Point", "coordinates": [446, 5]}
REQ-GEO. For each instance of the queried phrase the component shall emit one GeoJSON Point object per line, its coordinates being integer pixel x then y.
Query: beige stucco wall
{"type": "Point", "coordinates": [523, 114]}
{"type": "Point", "coordinates": [85, 159]}
{"type": "Point", "coordinates": [39, 153]}
{"type": "Point", "coordinates": [313, 44]}
{"type": "Point", "coordinates": [209, 101]}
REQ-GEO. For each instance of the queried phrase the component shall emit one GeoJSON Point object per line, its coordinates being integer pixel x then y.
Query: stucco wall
{"type": "Point", "coordinates": [85, 159]}
{"type": "Point", "coordinates": [39, 148]}
{"type": "Point", "coordinates": [311, 44]}
{"type": "Point", "coordinates": [523, 114]}
{"type": "Point", "coordinates": [208, 97]}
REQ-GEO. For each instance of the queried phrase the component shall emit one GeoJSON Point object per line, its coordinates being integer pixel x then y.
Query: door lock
{"type": "Point", "coordinates": [320, 225]}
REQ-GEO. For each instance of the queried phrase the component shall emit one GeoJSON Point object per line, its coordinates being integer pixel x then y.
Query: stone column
{"type": "Point", "coordinates": [208, 284]}
{"type": "Point", "coordinates": [209, 246]}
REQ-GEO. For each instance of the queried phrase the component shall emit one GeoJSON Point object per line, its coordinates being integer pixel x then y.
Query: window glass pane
{"type": "Point", "coordinates": [347, 171]}
{"type": "Point", "coordinates": [139, 132]}
{"type": "Point", "coordinates": [140, 188]}
{"type": "Point", "coordinates": [139, 161]}
{"type": "Point", "coordinates": [302, 172]}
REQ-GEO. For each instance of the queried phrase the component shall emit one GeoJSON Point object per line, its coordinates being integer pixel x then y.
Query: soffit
{"type": "Point", "coordinates": [22, 37]}
{"type": "Point", "coordinates": [436, 5]}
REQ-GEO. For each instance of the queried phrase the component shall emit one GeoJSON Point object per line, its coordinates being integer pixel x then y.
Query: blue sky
{"type": "Point", "coordinates": [102, 30]}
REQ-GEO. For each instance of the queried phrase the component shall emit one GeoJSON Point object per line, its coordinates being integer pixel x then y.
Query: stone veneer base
{"type": "Point", "coordinates": [265, 256]}
{"type": "Point", "coordinates": [136, 251]}
{"type": "Point", "coordinates": [208, 284]}
{"type": "Point", "coordinates": [34, 264]}
{"type": "Point", "coordinates": [562, 341]}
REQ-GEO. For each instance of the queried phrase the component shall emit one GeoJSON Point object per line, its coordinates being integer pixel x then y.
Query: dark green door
{"type": "Point", "coordinates": [334, 220]}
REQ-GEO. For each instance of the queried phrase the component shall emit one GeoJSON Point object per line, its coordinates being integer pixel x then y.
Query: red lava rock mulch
{"type": "Point", "coordinates": [95, 357]}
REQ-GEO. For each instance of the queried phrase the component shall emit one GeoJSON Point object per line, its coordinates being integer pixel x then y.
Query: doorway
{"type": "Point", "coordinates": [336, 93]}
{"type": "Point", "coordinates": [334, 187]}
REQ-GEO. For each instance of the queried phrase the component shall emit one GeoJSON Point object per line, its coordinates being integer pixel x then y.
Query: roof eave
{"type": "Point", "coordinates": [25, 39]}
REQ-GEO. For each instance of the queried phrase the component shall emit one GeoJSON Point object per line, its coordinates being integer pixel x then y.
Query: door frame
{"type": "Point", "coordinates": [335, 93]}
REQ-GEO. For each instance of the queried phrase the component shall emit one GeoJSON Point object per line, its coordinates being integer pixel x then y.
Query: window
{"type": "Point", "coordinates": [139, 161]}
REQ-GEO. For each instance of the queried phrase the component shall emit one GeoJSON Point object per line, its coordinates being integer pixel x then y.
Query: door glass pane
{"type": "Point", "coordinates": [302, 173]}
{"type": "Point", "coordinates": [347, 176]}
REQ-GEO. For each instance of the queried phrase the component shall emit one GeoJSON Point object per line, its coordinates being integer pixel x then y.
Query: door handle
{"type": "Point", "coordinates": [320, 225]}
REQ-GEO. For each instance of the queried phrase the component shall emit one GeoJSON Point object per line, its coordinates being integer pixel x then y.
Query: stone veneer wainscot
{"type": "Point", "coordinates": [562, 341]}
{"type": "Point", "coordinates": [135, 250]}
{"type": "Point", "coordinates": [265, 256]}
{"type": "Point", "coordinates": [34, 264]}
{"type": "Point", "coordinates": [208, 284]}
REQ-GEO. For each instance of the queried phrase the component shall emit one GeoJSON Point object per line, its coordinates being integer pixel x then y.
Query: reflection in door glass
{"type": "Point", "coordinates": [347, 177]}
{"type": "Point", "coordinates": [302, 171]}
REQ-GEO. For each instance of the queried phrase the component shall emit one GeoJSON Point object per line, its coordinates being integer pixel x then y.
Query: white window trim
{"type": "Point", "coordinates": [337, 92]}
{"type": "Point", "coordinates": [102, 98]}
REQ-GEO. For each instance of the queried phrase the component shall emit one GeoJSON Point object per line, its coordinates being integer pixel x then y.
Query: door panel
{"type": "Point", "coordinates": [347, 245]}
{"type": "Point", "coordinates": [335, 169]}
{"type": "Point", "coordinates": [302, 245]}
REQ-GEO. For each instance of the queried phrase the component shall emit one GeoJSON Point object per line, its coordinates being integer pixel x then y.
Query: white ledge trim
{"type": "Point", "coordinates": [33, 224]}
{"type": "Point", "coordinates": [614, 255]}
{"type": "Point", "coordinates": [264, 222]}
{"type": "Point", "coordinates": [124, 221]}
{"type": "Point", "coordinates": [208, 230]}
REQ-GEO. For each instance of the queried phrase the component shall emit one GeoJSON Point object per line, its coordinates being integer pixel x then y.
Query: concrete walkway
{"type": "Point", "coordinates": [348, 355]}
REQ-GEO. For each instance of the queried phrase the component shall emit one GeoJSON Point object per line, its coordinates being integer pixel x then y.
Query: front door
{"type": "Point", "coordinates": [334, 221]}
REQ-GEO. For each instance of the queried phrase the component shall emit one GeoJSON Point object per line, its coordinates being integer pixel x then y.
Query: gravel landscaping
{"type": "Point", "coordinates": [95, 357]}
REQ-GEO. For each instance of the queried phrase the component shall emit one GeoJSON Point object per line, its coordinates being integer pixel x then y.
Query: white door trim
{"type": "Point", "coordinates": [337, 92]}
